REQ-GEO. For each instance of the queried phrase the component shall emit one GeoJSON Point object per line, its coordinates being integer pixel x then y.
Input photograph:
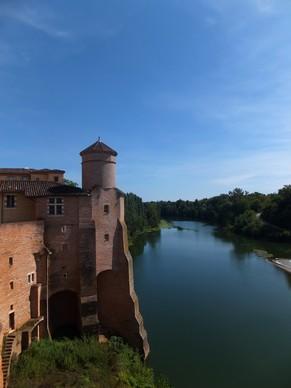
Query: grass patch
{"type": "Point", "coordinates": [82, 363]}
{"type": "Point", "coordinates": [163, 224]}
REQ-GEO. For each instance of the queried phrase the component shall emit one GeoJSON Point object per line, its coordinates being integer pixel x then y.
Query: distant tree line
{"type": "Point", "coordinates": [140, 216]}
{"type": "Point", "coordinates": [252, 214]}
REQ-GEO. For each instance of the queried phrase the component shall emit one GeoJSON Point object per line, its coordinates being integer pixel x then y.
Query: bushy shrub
{"type": "Point", "coordinates": [82, 363]}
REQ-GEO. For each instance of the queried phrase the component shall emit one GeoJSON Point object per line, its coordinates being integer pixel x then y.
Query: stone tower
{"type": "Point", "coordinates": [98, 166]}
{"type": "Point", "coordinates": [117, 303]}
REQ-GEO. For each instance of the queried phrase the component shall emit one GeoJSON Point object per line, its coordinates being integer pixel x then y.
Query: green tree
{"type": "Point", "coordinates": [152, 214]}
{"type": "Point", "coordinates": [70, 183]}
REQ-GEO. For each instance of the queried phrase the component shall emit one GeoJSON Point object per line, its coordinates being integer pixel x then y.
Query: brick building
{"type": "Point", "coordinates": [65, 268]}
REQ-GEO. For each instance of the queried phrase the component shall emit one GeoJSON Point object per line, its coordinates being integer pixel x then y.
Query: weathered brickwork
{"type": "Point", "coordinates": [24, 209]}
{"type": "Point", "coordinates": [18, 241]}
{"type": "Point", "coordinates": [71, 271]}
{"type": "Point", "coordinates": [18, 244]}
{"type": "Point", "coordinates": [62, 238]}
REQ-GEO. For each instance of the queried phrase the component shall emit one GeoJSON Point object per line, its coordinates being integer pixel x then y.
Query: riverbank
{"type": "Point", "coordinates": [163, 224]}
{"type": "Point", "coordinates": [253, 215]}
{"type": "Point", "coordinates": [231, 307]}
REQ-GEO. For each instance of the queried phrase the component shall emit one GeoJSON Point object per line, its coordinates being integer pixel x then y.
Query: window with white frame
{"type": "Point", "coordinates": [55, 206]}
{"type": "Point", "coordinates": [10, 201]}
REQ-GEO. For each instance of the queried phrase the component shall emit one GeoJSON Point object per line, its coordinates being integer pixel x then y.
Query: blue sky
{"type": "Point", "coordinates": [195, 95]}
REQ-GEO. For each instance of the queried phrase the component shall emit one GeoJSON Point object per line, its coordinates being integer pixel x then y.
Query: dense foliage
{"type": "Point", "coordinates": [252, 214]}
{"type": "Point", "coordinates": [140, 216]}
{"type": "Point", "coordinates": [69, 182]}
{"type": "Point", "coordinates": [82, 363]}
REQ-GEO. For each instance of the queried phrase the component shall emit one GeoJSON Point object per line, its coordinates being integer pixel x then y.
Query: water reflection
{"type": "Point", "coordinates": [151, 238]}
{"type": "Point", "coordinates": [243, 247]}
{"type": "Point", "coordinates": [224, 311]}
{"type": "Point", "coordinates": [287, 277]}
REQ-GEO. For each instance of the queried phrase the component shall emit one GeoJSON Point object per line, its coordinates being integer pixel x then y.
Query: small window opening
{"type": "Point", "coordinates": [56, 178]}
{"type": "Point", "coordinates": [10, 201]}
{"type": "Point", "coordinates": [106, 209]}
{"type": "Point", "coordinates": [32, 277]}
{"type": "Point", "coordinates": [106, 237]}
{"type": "Point", "coordinates": [56, 206]}
{"type": "Point", "coordinates": [10, 261]}
{"type": "Point", "coordinates": [11, 285]}
{"type": "Point", "coordinates": [11, 307]}
{"type": "Point", "coordinates": [11, 321]}
{"type": "Point", "coordinates": [29, 278]}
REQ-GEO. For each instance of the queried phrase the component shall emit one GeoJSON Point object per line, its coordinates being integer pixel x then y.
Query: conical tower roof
{"type": "Point", "coordinates": [98, 147]}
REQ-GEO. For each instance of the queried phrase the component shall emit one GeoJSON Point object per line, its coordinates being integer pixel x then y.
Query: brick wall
{"type": "Point", "coordinates": [62, 238]}
{"type": "Point", "coordinates": [19, 241]}
{"type": "Point", "coordinates": [24, 210]}
{"type": "Point", "coordinates": [98, 169]}
{"type": "Point", "coordinates": [118, 308]}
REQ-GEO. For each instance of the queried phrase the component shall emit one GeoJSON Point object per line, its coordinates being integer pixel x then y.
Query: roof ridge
{"type": "Point", "coordinates": [99, 147]}
{"type": "Point", "coordinates": [37, 188]}
{"type": "Point", "coordinates": [17, 170]}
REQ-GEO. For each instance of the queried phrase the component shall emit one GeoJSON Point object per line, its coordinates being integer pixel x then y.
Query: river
{"type": "Point", "coordinates": [217, 315]}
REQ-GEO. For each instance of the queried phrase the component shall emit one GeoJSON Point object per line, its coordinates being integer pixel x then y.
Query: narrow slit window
{"type": "Point", "coordinates": [106, 209]}
{"type": "Point", "coordinates": [11, 321]}
{"type": "Point", "coordinates": [29, 278]}
{"type": "Point", "coordinates": [32, 277]}
{"type": "Point", "coordinates": [11, 285]}
{"type": "Point", "coordinates": [10, 261]}
{"type": "Point", "coordinates": [106, 237]}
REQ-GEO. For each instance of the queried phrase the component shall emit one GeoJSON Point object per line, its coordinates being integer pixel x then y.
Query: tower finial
{"type": "Point", "coordinates": [99, 139]}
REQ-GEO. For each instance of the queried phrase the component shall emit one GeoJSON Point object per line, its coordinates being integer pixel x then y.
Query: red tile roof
{"type": "Point", "coordinates": [29, 171]}
{"type": "Point", "coordinates": [38, 188]}
{"type": "Point", "coordinates": [98, 147]}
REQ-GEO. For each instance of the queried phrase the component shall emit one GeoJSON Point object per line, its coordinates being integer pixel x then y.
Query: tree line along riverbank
{"type": "Point", "coordinates": [255, 215]}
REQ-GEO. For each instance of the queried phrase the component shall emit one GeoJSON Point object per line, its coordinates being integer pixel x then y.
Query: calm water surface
{"type": "Point", "coordinates": [217, 315]}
